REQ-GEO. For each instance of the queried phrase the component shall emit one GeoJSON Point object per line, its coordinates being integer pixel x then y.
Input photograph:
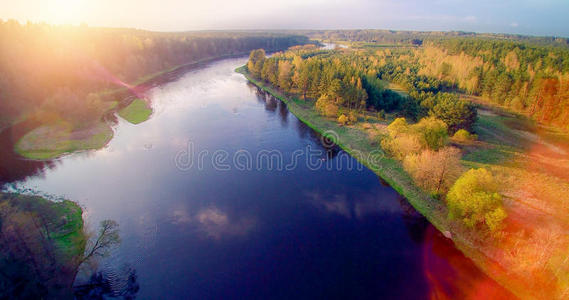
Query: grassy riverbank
{"type": "Point", "coordinates": [136, 112]}
{"type": "Point", "coordinates": [54, 140]}
{"type": "Point", "coordinates": [527, 160]}
{"type": "Point", "coordinates": [63, 218]}
{"type": "Point", "coordinates": [57, 138]}
{"type": "Point", "coordinates": [357, 142]}
{"type": "Point", "coordinates": [42, 245]}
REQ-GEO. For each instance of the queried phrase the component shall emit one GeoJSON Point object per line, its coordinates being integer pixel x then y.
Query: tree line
{"type": "Point", "coordinates": [61, 70]}
{"type": "Point", "coordinates": [355, 81]}
{"type": "Point", "coordinates": [519, 76]}
{"type": "Point", "coordinates": [420, 37]}
{"type": "Point", "coordinates": [342, 84]}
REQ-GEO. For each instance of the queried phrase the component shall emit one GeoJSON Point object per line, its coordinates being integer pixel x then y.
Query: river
{"type": "Point", "coordinates": [204, 214]}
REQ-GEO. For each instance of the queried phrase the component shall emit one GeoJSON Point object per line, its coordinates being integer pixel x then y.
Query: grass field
{"type": "Point", "coordinates": [531, 163]}
{"type": "Point", "coordinates": [54, 140]}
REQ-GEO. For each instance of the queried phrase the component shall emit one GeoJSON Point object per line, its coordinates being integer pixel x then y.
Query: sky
{"type": "Point", "coordinates": [534, 17]}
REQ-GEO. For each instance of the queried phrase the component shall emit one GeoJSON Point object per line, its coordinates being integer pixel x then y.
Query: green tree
{"type": "Point", "coordinates": [433, 133]}
{"type": "Point", "coordinates": [457, 114]}
{"type": "Point", "coordinates": [397, 127]}
{"type": "Point", "coordinates": [325, 106]}
{"type": "Point", "coordinates": [474, 200]}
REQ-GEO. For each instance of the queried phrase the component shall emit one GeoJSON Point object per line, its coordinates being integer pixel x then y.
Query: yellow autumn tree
{"type": "Point", "coordinates": [434, 171]}
{"type": "Point", "coordinates": [474, 200]}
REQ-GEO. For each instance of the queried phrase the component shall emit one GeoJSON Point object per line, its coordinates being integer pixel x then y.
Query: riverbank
{"type": "Point", "coordinates": [136, 112]}
{"type": "Point", "coordinates": [358, 144]}
{"type": "Point", "coordinates": [54, 140]}
{"type": "Point", "coordinates": [499, 150]}
{"type": "Point", "coordinates": [47, 237]}
{"type": "Point", "coordinates": [57, 138]}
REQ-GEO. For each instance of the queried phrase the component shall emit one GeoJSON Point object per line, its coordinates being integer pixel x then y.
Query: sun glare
{"type": "Point", "coordinates": [66, 11]}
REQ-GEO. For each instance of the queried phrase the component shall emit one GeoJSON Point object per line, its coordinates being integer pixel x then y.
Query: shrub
{"type": "Point", "coordinates": [352, 118]}
{"type": "Point", "coordinates": [405, 139]}
{"type": "Point", "coordinates": [342, 119]}
{"type": "Point", "coordinates": [464, 136]}
{"type": "Point", "coordinates": [401, 146]}
{"type": "Point", "coordinates": [433, 133]}
{"type": "Point", "coordinates": [331, 110]}
{"type": "Point", "coordinates": [326, 107]}
{"type": "Point", "coordinates": [397, 127]}
{"type": "Point", "coordinates": [474, 199]}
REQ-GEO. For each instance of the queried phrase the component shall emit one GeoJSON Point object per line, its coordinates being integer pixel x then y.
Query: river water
{"type": "Point", "coordinates": [225, 194]}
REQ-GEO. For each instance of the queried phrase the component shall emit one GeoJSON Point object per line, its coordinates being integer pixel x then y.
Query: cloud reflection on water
{"type": "Point", "coordinates": [359, 207]}
{"type": "Point", "coordinates": [213, 223]}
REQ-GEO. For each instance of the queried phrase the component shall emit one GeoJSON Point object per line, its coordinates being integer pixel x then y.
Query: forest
{"type": "Point", "coordinates": [527, 79]}
{"type": "Point", "coordinates": [521, 77]}
{"type": "Point", "coordinates": [344, 85]}
{"type": "Point", "coordinates": [416, 38]}
{"type": "Point", "coordinates": [466, 126]}
{"type": "Point", "coordinates": [61, 71]}
{"type": "Point", "coordinates": [352, 81]}
{"type": "Point", "coordinates": [438, 77]}
{"type": "Point", "coordinates": [529, 75]}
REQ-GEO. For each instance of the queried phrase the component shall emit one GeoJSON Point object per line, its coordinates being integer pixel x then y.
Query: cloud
{"type": "Point", "coordinates": [514, 24]}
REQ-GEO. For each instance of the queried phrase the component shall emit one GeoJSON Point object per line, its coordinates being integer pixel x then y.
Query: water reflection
{"type": "Point", "coordinates": [216, 224]}
{"type": "Point", "coordinates": [12, 166]}
{"type": "Point", "coordinates": [241, 234]}
{"type": "Point", "coordinates": [109, 284]}
{"type": "Point", "coordinates": [283, 113]}
{"type": "Point", "coordinates": [364, 205]}
{"type": "Point", "coordinates": [212, 222]}
{"type": "Point", "coordinates": [415, 223]}
{"type": "Point", "coordinates": [453, 276]}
